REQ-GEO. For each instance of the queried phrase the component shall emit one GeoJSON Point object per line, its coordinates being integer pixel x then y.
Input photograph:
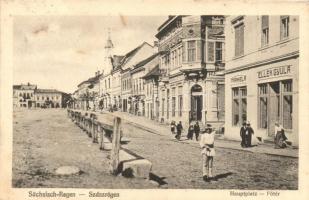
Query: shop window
{"type": "Point", "coordinates": [191, 51]}
{"type": "Point", "coordinates": [284, 27]}
{"type": "Point", "coordinates": [275, 105]}
{"type": "Point", "coordinates": [263, 92]}
{"type": "Point", "coordinates": [265, 30]}
{"type": "Point", "coordinates": [239, 107]}
{"type": "Point", "coordinates": [287, 104]}
{"type": "Point", "coordinates": [239, 40]}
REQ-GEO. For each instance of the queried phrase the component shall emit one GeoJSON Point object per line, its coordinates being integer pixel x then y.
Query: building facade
{"type": "Point", "coordinates": [151, 93]}
{"type": "Point", "coordinates": [139, 87]}
{"type": "Point", "coordinates": [128, 63]}
{"type": "Point", "coordinates": [23, 95]}
{"type": "Point", "coordinates": [29, 96]}
{"type": "Point", "coordinates": [48, 98]}
{"type": "Point", "coordinates": [262, 75]}
{"type": "Point", "coordinates": [191, 87]}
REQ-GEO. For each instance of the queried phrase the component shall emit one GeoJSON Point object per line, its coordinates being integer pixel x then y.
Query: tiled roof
{"type": "Point", "coordinates": [154, 72]}
{"type": "Point", "coordinates": [145, 61]}
{"type": "Point", "coordinates": [130, 54]}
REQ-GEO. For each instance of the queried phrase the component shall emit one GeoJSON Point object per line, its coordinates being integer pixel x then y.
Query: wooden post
{"type": "Point", "coordinates": [115, 146]}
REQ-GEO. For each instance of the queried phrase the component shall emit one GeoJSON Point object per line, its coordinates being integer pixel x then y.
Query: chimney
{"type": "Point", "coordinates": [155, 46]}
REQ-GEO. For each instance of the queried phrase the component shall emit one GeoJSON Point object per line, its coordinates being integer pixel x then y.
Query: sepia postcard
{"type": "Point", "coordinates": [154, 99]}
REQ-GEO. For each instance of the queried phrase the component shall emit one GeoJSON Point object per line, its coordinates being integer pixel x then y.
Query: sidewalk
{"type": "Point", "coordinates": [164, 130]}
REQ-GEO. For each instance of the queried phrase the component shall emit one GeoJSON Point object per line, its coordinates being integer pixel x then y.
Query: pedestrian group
{"type": "Point", "coordinates": [207, 140]}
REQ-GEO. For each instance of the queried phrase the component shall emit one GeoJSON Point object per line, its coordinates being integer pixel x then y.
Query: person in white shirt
{"type": "Point", "coordinates": [208, 151]}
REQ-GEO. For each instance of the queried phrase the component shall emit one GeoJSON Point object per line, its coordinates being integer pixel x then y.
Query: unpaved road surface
{"type": "Point", "coordinates": [46, 139]}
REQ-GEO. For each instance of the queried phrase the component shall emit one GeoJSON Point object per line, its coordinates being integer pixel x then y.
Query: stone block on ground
{"type": "Point", "coordinates": [131, 166]}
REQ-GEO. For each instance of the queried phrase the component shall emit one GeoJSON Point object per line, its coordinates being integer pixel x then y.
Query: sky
{"type": "Point", "coordinates": [59, 52]}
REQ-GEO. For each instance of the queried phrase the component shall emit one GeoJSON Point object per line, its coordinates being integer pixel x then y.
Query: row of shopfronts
{"type": "Point", "coordinates": [208, 69]}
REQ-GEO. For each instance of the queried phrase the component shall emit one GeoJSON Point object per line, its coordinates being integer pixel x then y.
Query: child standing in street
{"type": "Point", "coordinates": [208, 151]}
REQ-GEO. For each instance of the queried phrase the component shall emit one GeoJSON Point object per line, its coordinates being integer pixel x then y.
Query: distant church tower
{"type": "Point", "coordinates": [108, 54]}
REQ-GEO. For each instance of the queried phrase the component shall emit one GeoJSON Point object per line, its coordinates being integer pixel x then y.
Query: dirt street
{"type": "Point", "coordinates": [46, 139]}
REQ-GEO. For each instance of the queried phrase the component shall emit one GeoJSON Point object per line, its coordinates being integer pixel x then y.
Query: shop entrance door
{"type": "Point", "coordinates": [273, 107]}
{"type": "Point", "coordinates": [196, 103]}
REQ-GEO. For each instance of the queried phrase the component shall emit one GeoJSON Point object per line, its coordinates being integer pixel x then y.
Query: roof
{"type": "Point", "coordinates": [165, 24]}
{"type": "Point", "coordinates": [170, 17]}
{"type": "Point", "coordinates": [116, 61]}
{"type": "Point", "coordinates": [24, 87]}
{"type": "Point", "coordinates": [154, 72]}
{"type": "Point", "coordinates": [91, 80]}
{"type": "Point", "coordinates": [47, 91]}
{"type": "Point", "coordinates": [16, 87]}
{"type": "Point", "coordinates": [131, 53]}
{"type": "Point", "coordinates": [145, 61]}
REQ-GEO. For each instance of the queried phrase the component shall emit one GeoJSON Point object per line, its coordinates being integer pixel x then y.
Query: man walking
{"type": "Point", "coordinates": [179, 129]}
{"type": "Point", "coordinates": [196, 130]}
{"type": "Point", "coordinates": [249, 132]}
{"type": "Point", "coordinates": [243, 134]}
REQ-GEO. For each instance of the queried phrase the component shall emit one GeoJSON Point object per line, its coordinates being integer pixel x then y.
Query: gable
{"type": "Point", "coordinates": [142, 53]}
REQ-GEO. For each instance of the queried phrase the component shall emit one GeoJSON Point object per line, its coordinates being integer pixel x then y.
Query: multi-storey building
{"type": "Point", "coordinates": [23, 95]}
{"type": "Point", "coordinates": [88, 92]}
{"type": "Point", "coordinates": [139, 89]}
{"type": "Point", "coordinates": [29, 96]}
{"type": "Point", "coordinates": [128, 62]}
{"type": "Point", "coordinates": [191, 56]}
{"type": "Point", "coordinates": [262, 54]}
{"type": "Point", "coordinates": [48, 98]}
{"type": "Point", "coordinates": [151, 90]}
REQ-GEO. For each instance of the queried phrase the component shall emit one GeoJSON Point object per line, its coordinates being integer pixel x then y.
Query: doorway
{"type": "Point", "coordinates": [196, 103]}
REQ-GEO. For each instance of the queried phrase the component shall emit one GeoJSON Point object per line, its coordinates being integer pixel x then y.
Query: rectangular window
{"type": "Point", "coordinates": [239, 40]}
{"type": "Point", "coordinates": [218, 51]}
{"type": "Point", "coordinates": [284, 27]}
{"type": "Point", "coordinates": [239, 105]}
{"type": "Point", "coordinates": [265, 30]}
{"type": "Point", "coordinates": [263, 99]}
{"type": "Point", "coordinates": [275, 104]}
{"type": "Point", "coordinates": [191, 51]}
{"type": "Point", "coordinates": [210, 51]}
{"type": "Point", "coordinates": [287, 99]}
{"type": "Point", "coordinates": [173, 106]}
{"type": "Point", "coordinates": [180, 102]}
